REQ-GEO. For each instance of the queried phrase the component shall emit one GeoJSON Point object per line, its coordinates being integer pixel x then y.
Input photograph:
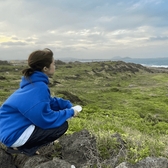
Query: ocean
{"type": "Point", "coordinates": [151, 62]}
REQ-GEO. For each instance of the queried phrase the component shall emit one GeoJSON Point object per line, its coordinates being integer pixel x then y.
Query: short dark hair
{"type": "Point", "coordinates": [37, 60]}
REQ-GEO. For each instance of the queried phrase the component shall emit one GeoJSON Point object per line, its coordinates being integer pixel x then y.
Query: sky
{"type": "Point", "coordinates": [94, 29]}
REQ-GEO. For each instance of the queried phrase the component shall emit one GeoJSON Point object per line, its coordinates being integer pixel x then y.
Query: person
{"type": "Point", "coordinates": [30, 117]}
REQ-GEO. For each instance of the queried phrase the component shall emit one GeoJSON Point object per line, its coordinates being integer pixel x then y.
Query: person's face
{"type": "Point", "coordinates": [50, 71]}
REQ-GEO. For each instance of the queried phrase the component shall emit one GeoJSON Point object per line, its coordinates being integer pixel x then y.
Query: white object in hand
{"type": "Point", "coordinates": [78, 108]}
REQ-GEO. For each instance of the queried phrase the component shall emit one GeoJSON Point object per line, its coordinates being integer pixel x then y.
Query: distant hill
{"type": "Point", "coordinates": [4, 62]}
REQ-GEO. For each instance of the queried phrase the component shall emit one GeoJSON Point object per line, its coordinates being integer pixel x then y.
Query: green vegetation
{"type": "Point", "coordinates": [127, 99]}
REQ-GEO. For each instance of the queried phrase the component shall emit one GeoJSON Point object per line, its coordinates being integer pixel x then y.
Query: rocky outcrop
{"type": "Point", "coordinates": [4, 62]}
{"type": "Point", "coordinates": [149, 162]}
{"type": "Point", "coordinates": [77, 151]}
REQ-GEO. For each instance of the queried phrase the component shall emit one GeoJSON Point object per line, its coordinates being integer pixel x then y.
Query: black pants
{"type": "Point", "coordinates": [41, 137]}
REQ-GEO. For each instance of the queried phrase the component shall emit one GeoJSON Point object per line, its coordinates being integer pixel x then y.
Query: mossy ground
{"type": "Point", "coordinates": [133, 104]}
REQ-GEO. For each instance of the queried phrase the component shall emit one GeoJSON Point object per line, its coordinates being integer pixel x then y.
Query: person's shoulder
{"type": "Point", "coordinates": [41, 84]}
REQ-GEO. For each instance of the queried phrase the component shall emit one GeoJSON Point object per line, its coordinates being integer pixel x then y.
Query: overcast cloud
{"type": "Point", "coordinates": [84, 29]}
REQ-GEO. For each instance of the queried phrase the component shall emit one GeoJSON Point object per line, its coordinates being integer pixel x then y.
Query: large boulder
{"type": "Point", "coordinates": [79, 149]}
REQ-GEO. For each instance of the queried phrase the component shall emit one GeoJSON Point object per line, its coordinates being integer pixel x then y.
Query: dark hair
{"type": "Point", "coordinates": [38, 60]}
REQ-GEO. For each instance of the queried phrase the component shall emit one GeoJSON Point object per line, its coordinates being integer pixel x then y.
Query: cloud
{"type": "Point", "coordinates": [159, 38]}
{"type": "Point", "coordinates": [84, 28]}
{"type": "Point", "coordinates": [10, 43]}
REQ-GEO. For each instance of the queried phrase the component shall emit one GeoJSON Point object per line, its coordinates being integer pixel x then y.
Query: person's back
{"type": "Point", "coordinates": [19, 104]}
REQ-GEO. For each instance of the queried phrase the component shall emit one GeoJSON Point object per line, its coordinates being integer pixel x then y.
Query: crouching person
{"type": "Point", "coordinates": [30, 117]}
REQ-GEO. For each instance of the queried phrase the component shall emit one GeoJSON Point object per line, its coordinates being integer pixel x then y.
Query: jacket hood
{"type": "Point", "coordinates": [37, 76]}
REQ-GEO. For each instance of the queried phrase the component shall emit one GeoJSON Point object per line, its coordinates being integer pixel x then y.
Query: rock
{"type": "Point", "coordinates": [6, 160]}
{"type": "Point", "coordinates": [79, 149]}
{"type": "Point", "coordinates": [149, 162]}
{"type": "Point", "coordinates": [2, 78]}
{"type": "Point", "coordinates": [124, 165]}
{"type": "Point", "coordinates": [56, 162]}
{"type": "Point", "coordinates": [34, 161]}
{"type": "Point", "coordinates": [153, 162]}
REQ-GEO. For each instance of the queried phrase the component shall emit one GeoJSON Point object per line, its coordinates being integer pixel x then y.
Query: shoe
{"type": "Point", "coordinates": [13, 151]}
{"type": "Point", "coordinates": [16, 151]}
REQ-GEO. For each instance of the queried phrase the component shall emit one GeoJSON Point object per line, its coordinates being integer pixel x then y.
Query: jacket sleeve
{"type": "Point", "coordinates": [59, 103]}
{"type": "Point", "coordinates": [44, 117]}
{"type": "Point", "coordinates": [38, 107]}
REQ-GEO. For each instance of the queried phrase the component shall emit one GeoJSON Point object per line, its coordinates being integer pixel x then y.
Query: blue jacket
{"type": "Point", "coordinates": [32, 104]}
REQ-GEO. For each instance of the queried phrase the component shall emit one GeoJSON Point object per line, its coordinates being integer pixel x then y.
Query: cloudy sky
{"type": "Point", "coordinates": [84, 29]}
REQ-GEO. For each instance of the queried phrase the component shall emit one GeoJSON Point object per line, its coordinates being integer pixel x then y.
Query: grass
{"type": "Point", "coordinates": [133, 104]}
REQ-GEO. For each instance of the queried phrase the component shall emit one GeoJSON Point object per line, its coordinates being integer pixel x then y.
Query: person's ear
{"type": "Point", "coordinates": [45, 69]}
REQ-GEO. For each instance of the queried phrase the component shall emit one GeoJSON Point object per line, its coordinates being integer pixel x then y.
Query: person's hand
{"type": "Point", "coordinates": [77, 109]}
{"type": "Point", "coordinates": [75, 112]}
